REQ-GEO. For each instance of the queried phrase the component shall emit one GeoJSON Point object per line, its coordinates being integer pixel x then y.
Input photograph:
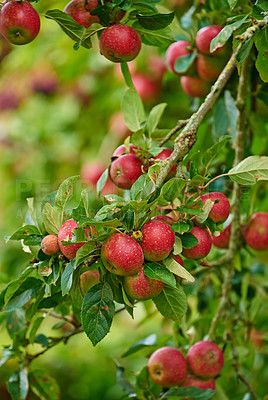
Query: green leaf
{"type": "Point", "coordinates": [84, 252]}
{"type": "Point", "coordinates": [20, 300]}
{"type": "Point", "coordinates": [141, 344]}
{"type": "Point", "coordinates": [212, 153]}
{"type": "Point", "coordinates": [142, 188]}
{"type": "Point", "coordinates": [182, 227]}
{"type": "Point", "coordinates": [171, 303]}
{"type": "Point", "coordinates": [178, 269]}
{"type": "Point", "coordinates": [261, 42]}
{"type": "Point", "coordinates": [69, 26]}
{"type": "Point", "coordinates": [188, 240]}
{"type": "Point", "coordinates": [127, 75]}
{"type": "Point", "coordinates": [155, 117]}
{"type": "Point", "coordinates": [207, 207]}
{"type": "Point", "coordinates": [8, 353]}
{"type": "Point", "coordinates": [232, 3]}
{"type": "Point", "coordinates": [160, 38]}
{"type": "Point", "coordinates": [157, 271]}
{"type": "Point", "coordinates": [102, 180]}
{"type": "Point", "coordinates": [97, 312]}
{"type": "Point", "coordinates": [250, 171]}
{"type": "Point", "coordinates": [64, 194]}
{"type": "Point", "coordinates": [172, 188]}
{"type": "Point", "coordinates": [156, 21]}
{"type": "Point", "coordinates": [177, 246]}
{"type": "Point", "coordinates": [183, 64]}
{"type": "Point", "coordinates": [18, 385]}
{"type": "Point", "coordinates": [29, 234]}
{"type": "Point", "coordinates": [67, 277]}
{"type": "Point", "coordinates": [52, 219]}
{"type": "Point", "coordinates": [45, 387]}
{"type": "Point", "coordinates": [189, 392]}
{"type": "Point", "coordinates": [124, 383]}
{"type": "Point", "coordinates": [15, 321]}
{"type": "Point", "coordinates": [244, 50]}
{"type": "Point", "coordinates": [34, 329]}
{"type": "Point", "coordinates": [133, 110]}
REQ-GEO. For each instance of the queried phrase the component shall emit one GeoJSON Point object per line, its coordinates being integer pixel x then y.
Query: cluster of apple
{"type": "Point", "coordinates": [196, 81]}
{"type": "Point", "coordinates": [168, 367]}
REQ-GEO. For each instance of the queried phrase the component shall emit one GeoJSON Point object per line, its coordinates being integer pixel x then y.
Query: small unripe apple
{"type": "Point", "coordinates": [141, 287]}
{"type": "Point", "coordinates": [89, 279]}
{"type": "Point", "coordinates": [209, 67]}
{"type": "Point", "coordinates": [147, 88]}
{"type": "Point", "coordinates": [49, 245]}
{"type": "Point", "coordinates": [19, 22]}
{"type": "Point", "coordinates": [220, 210]}
{"type": "Point", "coordinates": [165, 218]}
{"type": "Point", "coordinates": [125, 170]}
{"type": "Point", "coordinates": [163, 155]}
{"type": "Point", "coordinates": [120, 43]}
{"type": "Point", "coordinates": [256, 231]}
{"type": "Point", "coordinates": [122, 150]}
{"type": "Point", "coordinates": [175, 51]}
{"type": "Point", "coordinates": [222, 241]}
{"type": "Point", "coordinates": [122, 255]}
{"type": "Point", "coordinates": [203, 247]}
{"type": "Point", "coordinates": [167, 367]}
{"type": "Point", "coordinates": [204, 36]}
{"type": "Point", "coordinates": [65, 233]}
{"type": "Point", "coordinates": [205, 359]}
{"type": "Point", "coordinates": [79, 11]}
{"type": "Point", "coordinates": [157, 240]}
{"type": "Point", "coordinates": [194, 87]}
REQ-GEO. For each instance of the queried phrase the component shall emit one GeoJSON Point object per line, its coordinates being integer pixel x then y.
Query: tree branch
{"type": "Point", "coordinates": [180, 124]}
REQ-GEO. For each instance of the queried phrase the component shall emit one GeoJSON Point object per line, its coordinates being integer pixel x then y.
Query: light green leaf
{"type": "Point", "coordinates": [133, 110]}
{"type": "Point", "coordinates": [178, 269]}
{"type": "Point", "coordinates": [64, 194]}
{"type": "Point", "coordinates": [67, 277]}
{"type": "Point", "coordinates": [250, 171]}
{"type": "Point", "coordinates": [171, 303]}
{"type": "Point", "coordinates": [52, 219]}
{"type": "Point", "coordinates": [155, 117]}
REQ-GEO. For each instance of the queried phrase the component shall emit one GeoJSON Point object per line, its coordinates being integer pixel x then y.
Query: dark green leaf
{"type": "Point", "coordinates": [213, 152]}
{"type": "Point", "coordinates": [20, 300]}
{"type": "Point", "coordinates": [171, 303]}
{"type": "Point", "coordinates": [189, 392]}
{"type": "Point", "coordinates": [156, 21]}
{"type": "Point", "coordinates": [188, 240]}
{"type": "Point", "coordinates": [160, 38]}
{"type": "Point", "coordinates": [15, 321]}
{"type": "Point", "coordinates": [34, 329]}
{"type": "Point", "coordinates": [183, 64]}
{"type": "Point", "coordinates": [172, 188]}
{"type": "Point", "coordinates": [18, 385]}
{"type": "Point", "coordinates": [157, 271]}
{"type": "Point", "coordinates": [261, 42]}
{"type": "Point", "coordinates": [122, 381]}
{"type": "Point", "coordinates": [67, 277]}
{"type": "Point", "coordinates": [147, 342]}
{"type": "Point", "coordinates": [45, 387]}
{"type": "Point", "coordinates": [244, 50]}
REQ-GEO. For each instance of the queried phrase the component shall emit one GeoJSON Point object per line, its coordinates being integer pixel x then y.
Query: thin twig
{"type": "Point", "coordinates": [180, 124]}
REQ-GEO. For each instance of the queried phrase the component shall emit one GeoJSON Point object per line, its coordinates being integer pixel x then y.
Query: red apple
{"type": "Point", "coordinates": [205, 359]}
{"type": "Point", "coordinates": [194, 87]}
{"type": "Point", "coordinates": [91, 173]}
{"type": "Point", "coordinates": [204, 37]}
{"type": "Point", "coordinates": [140, 287]}
{"type": "Point", "coordinates": [203, 247]}
{"type": "Point", "coordinates": [220, 210]}
{"type": "Point", "coordinates": [120, 43]}
{"type": "Point", "coordinates": [256, 231]}
{"type": "Point", "coordinates": [163, 155]}
{"type": "Point", "coordinates": [49, 245]}
{"type": "Point", "coordinates": [122, 150]}
{"type": "Point", "coordinates": [79, 11]}
{"type": "Point", "coordinates": [147, 88]}
{"type": "Point", "coordinates": [89, 279]}
{"type": "Point", "coordinates": [65, 233]}
{"type": "Point", "coordinates": [125, 170]}
{"type": "Point", "coordinates": [175, 51]}
{"type": "Point", "coordinates": [19, 22]}
{"type": "Point", "coordinates": [167, 367]}
{"type": "Point", "coordinates": [194, 381]}
{"type": "Point", "coordinates": [117, 126]}
{"type": "Point", "coordinates": [156, 67]}
{"type": "Point", "coordinates": [157, 240]}
{"type": "Point", "coordinates": [209, 67]}
{"type": "Point", "coordinates": [165, 218]}
{"type": "Point", "coordinates": [222, 241]}
{"type": "Point", "coordinates": [122, 255]}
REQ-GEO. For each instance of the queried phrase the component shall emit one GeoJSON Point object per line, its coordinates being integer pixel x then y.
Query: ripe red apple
{"type": "Point", "coordinates": [122, 150]}
{"type": "Point", "coordinates": [209, 67]}
{"type": "Point", "coordinates": [156, 67]}
{"type": "Point", "coordinates": [117, 126]}
{"type": "Point", "coordinates": [157, 240]}
{"type": "Point", "coordinates": [65, 233]}
{"type": "Point", "coordinates": [203, 247]}
{"type": "Point", "coordinates": [204, 36]}
{"type": "Point", "coordinates": [205, 359]}
{"type": "Point", "coordinates": [165, 218]}
{"type": "Point", "coordinates": [194, 87]}
{"type": "Point", "coordinates": [19, 22]}
{"type": "Point", "coordinates": [49, 245]}
{"type": "Point", "coordinates": [140, 287]}
{"type": "Point", "coordinates": [222, 241]}
{"type": "Point", "coordinates": [165, 153]}
{"type": "Point", "coordinates": [89, 279]}
{"type": "Point", "coordinates": [120, 43]}
{"type": "Point", "coordinates": [147, 88]}
{"type": "Point", "coordinates": [122, 255]}
{"type": "Point", "coordinates": [167, 367]}
{"type": "Point", "coordinates": [91, 172]}
{"type": "Point", "coordinates": [194, 381]}
{"type": "Point", "coordinates": [79, 10]}
{"type": "Point", "coordinates": [221, 210]}
{"type": "Point", "coordinates": [175, 51]}
{"type": "Point", "coordinates": [256, 231]}
{"type": "Point", "coordinates": [125, 170]}
{"type": "Point", "coordinates": [257, 338]}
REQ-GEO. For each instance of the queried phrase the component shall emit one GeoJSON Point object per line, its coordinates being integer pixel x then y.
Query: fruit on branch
{"type": "Point", "coordinates": [205, 359]}
{"type": "Point", "coordinates": [122, 255]}
{"type": "Point", "coordinates": [65, 234]}
{"type": "Point", "coordinates": [165, 218]}
{"type": "Point", "coordinates": [147, 88]}
{"type": "Point", "coordinates": [120, 43]}
{"type": "Point", "coordinates": [221, 209]}
{"type": "Point", "coordinates": [194, 381]}
{"type": "Point", "coordinates": [125, 170]}
{"type": "Point", "coordinates": [203, 247]}
{"type": "Point", "coordinates": [256, 338]}
{"type": "Point", "coordinates": [89, 279]}
{"type": "Point", "coordinates": [209, 67]}
{"type": "Point", "coordinates": [256, 231]}
{"type": "Point", "coordinates": [157, 240]}
{"type": "Point", "coordinates": [117, 126]}
{"type": "Point", "coordinates": [222, 241]}
{"type": "Point", "coordinates": [175, 51]}
{"type": "Point", "coordinates": [122, 150]}
{"type": "Point", "coordinates": [163, 155]}
{"type": "Point", "coordinates": [49, 245]}
{"type": "Point", "coordinates": [204, 36]}
{"type": "Point", "coordinates": [194, 87]}
{"type": "Point", "coordinates": [156, 67]}
{"type": "Point", "coordinates": [167, 367]}
{"type": "Point", "coordinates": [91, 173]}
{"type": "Point", "coordinates": [19, 22]}
{"type": "Point", "coordinates": [141, 287]}
{"type": "Point", "coordinates": [79, 10]}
